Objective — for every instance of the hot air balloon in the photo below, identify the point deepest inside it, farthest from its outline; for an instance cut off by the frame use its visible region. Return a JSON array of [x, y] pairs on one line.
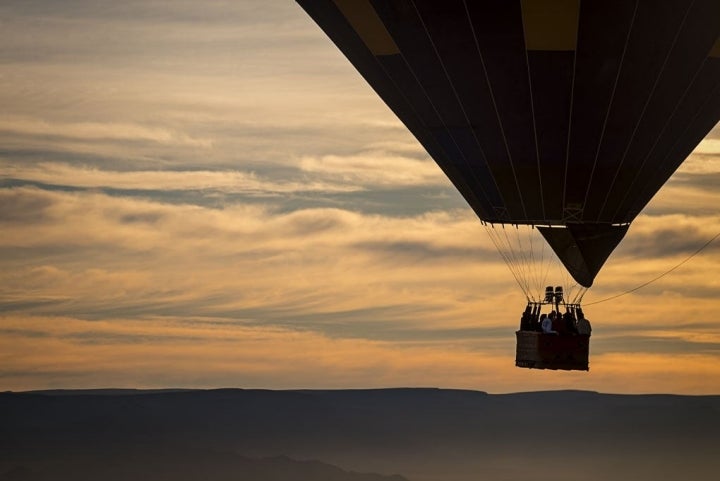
[[561, 118]]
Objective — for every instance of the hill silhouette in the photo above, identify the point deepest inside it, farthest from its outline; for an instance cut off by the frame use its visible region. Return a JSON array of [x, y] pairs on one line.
[[422, 434], [178, 465]]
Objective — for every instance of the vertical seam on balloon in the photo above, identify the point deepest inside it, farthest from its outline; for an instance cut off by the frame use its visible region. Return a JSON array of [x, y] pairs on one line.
[[642, 114], [532, 112], [609, 107], [497, 113], [570, 117], [457, 97], [462, 154], [713, 93], [417, 116], [660, 135]]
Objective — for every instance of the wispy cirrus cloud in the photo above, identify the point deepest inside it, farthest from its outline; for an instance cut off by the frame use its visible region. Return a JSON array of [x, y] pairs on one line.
[[375, 168], [223, 181], [96, 131]]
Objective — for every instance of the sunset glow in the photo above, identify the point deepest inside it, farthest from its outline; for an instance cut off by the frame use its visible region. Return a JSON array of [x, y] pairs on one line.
[[207, 194]]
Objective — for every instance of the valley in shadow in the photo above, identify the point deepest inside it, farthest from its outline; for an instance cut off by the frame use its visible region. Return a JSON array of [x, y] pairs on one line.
[[356, 435]]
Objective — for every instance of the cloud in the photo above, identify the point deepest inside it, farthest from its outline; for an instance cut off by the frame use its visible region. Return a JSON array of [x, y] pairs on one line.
[[18, 207], [405, 253], [109, 254], [310, 266], [234, 351], [92, 131], [222, 181], [157, 352], [708, 146], [178, 84], [668, 235], [375, 168]]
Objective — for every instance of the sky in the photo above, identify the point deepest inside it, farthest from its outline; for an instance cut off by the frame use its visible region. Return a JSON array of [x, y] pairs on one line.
[[207, 194]]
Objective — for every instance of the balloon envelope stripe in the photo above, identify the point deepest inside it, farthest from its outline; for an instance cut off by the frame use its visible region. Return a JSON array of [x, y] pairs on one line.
[[368, 26], [550, 24]]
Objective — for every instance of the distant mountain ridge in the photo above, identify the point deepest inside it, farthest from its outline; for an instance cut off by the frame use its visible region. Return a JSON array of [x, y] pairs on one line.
[[423, 434], [106, 391], [183, 466]]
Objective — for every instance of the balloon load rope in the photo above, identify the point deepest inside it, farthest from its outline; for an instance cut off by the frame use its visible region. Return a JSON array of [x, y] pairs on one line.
[[530, 261], [514, 261], [637, 288]]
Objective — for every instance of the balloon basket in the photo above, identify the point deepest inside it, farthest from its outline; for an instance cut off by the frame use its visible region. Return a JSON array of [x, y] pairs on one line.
[[537, 350]]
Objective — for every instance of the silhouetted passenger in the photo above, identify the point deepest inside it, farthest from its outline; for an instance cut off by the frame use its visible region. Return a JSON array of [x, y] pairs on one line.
[[569, 321], [547, 323], [534, 322], [526, 319], [558, 324], [583, 325]]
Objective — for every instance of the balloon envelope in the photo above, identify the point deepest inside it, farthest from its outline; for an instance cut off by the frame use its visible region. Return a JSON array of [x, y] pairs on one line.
[[555, 113]]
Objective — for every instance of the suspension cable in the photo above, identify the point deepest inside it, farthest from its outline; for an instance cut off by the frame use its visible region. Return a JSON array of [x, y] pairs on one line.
[[490, 229], [529, 268], [525, 266], [658, 277]]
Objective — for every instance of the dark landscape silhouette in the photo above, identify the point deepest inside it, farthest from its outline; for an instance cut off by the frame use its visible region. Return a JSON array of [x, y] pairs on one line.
[[414, 434]]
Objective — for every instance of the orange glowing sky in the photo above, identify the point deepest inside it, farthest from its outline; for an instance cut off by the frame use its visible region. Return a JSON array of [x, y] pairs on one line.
[[206, 194]]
